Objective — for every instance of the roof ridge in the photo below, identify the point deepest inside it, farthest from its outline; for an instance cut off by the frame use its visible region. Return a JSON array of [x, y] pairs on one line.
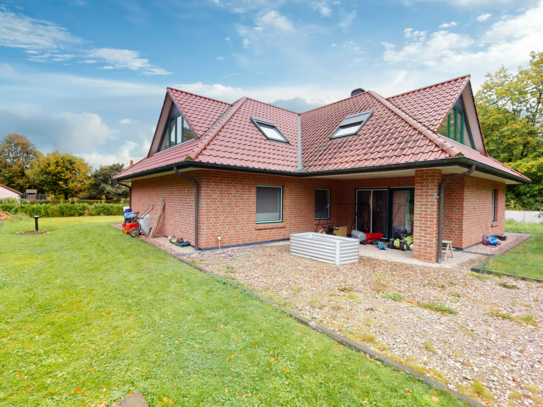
[[437, 140], [429, 86], [200, 96], [211, 135]]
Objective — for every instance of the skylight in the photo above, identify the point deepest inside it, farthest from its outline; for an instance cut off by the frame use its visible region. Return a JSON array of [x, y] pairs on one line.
[[269, 130], [351, 125]]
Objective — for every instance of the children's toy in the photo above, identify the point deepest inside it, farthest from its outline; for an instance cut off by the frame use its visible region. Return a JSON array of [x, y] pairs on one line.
[[491, 241]]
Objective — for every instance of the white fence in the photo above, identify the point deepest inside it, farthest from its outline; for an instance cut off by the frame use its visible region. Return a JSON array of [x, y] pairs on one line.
[[524, 216]]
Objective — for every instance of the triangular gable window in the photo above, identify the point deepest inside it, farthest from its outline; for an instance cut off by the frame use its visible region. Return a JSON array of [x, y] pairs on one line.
[[351, 125], [269, 130], [456, 126], [176, 131]]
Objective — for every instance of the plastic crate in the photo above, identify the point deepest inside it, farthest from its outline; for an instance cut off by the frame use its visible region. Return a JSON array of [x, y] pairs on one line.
[[184, 244]]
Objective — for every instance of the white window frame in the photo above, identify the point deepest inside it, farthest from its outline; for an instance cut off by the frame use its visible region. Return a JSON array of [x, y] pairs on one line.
[[280, 187], [355, 122], [261, 122]]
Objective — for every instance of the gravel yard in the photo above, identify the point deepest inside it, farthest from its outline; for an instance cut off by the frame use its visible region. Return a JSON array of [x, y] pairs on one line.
[[476, 333]]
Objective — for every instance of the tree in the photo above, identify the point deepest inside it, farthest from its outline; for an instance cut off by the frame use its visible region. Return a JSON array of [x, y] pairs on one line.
[[60, 173], [16, 156], [102, 183], [511, 113]]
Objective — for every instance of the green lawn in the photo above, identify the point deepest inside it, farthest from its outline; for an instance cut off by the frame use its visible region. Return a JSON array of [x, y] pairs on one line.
[[89, 315], [526, 259]]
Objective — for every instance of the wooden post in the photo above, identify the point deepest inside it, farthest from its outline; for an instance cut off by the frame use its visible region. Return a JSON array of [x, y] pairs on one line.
[[158, 218]]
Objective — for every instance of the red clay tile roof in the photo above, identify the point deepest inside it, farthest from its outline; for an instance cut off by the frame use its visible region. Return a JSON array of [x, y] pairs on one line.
[[9, 189], [200, 112], [430, 105], [240, 143], [168, 157], [385, 139], [399, 132]]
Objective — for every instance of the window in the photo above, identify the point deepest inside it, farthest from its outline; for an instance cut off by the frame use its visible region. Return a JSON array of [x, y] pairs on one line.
[[269, 204], [351, 125], [269, 130], [322, 203], [453, 127], [494, 205], [177, 131]]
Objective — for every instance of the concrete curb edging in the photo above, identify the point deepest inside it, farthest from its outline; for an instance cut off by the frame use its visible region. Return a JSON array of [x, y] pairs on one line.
[[478, 269], [339, 338]]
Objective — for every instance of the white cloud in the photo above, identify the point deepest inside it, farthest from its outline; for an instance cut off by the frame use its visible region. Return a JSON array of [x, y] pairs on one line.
[[126, 152], [20, 31], [127, 121], [439, 45], [347, 20], [275, 21], [124, 58], [66, 131], [447, 25], [323, 8], [483, 17], [227, 39], [246, 43], [507, 42], [417, 35]]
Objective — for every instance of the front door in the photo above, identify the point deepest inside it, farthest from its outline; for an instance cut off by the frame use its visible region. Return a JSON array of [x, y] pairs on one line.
[[372, 211]]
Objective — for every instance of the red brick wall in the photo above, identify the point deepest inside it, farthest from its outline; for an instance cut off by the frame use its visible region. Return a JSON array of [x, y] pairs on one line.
[[426, 214], [228, 201], [178, 218], [468, 210]]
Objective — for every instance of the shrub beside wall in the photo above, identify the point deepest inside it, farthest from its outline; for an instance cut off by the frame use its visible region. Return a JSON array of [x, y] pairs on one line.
[[63, 209]]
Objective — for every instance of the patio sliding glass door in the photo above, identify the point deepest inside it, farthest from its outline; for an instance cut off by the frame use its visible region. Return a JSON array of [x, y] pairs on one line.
[[372, 211]]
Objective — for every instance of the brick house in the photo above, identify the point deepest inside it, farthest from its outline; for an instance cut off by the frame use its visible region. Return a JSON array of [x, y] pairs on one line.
[[252, 172]]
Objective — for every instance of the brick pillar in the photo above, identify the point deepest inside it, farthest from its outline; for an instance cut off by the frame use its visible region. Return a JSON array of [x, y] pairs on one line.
[[426, 214]]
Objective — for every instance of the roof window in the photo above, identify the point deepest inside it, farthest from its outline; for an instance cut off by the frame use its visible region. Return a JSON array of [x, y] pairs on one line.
[[351, 125], [269, 130]]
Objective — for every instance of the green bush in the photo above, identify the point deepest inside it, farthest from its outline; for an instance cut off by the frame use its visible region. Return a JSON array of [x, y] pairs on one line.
[[48, 210]]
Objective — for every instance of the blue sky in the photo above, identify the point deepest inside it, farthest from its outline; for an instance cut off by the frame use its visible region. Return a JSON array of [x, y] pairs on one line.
[[89, 77]]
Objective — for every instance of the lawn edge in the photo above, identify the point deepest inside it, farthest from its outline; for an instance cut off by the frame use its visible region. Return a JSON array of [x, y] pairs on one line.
[[477, 268], [333, 335]]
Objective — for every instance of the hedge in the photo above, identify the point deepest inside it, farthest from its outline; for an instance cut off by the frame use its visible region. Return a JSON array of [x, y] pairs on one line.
[[63, 209]]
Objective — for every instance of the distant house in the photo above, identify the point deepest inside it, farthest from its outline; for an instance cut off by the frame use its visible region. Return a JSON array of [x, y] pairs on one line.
[[256, 172], [6, 192]]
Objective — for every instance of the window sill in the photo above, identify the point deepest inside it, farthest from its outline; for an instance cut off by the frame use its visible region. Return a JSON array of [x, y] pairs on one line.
[[268, 226]]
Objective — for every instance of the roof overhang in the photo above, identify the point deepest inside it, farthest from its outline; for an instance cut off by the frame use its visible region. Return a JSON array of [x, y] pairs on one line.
[[447, 166]]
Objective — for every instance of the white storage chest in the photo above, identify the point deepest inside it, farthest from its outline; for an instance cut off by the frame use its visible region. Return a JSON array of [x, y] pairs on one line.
[[327, 248]]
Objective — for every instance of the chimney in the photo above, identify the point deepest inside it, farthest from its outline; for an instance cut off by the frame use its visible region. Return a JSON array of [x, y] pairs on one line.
[[131, 163], [357, 91]]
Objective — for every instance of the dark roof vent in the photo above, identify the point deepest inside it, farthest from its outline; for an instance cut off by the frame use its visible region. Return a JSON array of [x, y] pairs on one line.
[[357, 91]]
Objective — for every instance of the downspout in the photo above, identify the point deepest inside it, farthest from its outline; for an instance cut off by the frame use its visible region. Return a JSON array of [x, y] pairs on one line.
[[130, 193], [300, 164], [196, 203], [440, 218]]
